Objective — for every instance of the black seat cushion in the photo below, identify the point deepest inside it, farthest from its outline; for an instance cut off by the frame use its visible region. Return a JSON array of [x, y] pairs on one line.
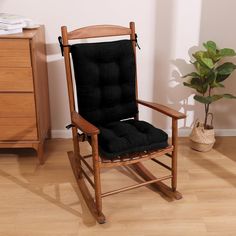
[[105, 83], [105, 80], [124, 137]]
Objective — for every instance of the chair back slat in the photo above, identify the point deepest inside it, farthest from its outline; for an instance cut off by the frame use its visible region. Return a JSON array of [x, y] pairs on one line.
[[96, 31]]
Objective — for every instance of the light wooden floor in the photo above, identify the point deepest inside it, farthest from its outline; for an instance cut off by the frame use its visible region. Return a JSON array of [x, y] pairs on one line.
[[44, 200]]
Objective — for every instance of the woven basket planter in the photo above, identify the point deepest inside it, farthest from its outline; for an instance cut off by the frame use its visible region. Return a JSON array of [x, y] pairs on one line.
[[202, 139]]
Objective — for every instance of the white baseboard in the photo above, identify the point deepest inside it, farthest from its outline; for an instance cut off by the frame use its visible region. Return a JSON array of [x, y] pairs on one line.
[[225, 132], [61, 134], [182, 133]]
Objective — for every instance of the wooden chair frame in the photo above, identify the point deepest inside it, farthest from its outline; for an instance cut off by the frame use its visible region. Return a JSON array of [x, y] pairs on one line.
[[134, 160]]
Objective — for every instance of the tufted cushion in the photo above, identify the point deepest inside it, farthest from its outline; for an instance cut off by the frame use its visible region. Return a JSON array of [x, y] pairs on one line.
[[129, 136], [105, 80]]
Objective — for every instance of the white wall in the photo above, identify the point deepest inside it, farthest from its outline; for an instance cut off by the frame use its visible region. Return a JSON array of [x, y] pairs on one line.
[[166, 29]]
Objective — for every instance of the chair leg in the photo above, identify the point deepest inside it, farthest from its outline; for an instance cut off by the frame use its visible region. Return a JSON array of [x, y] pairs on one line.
[[100, 218], [97, 181], [147, 175], [95, 207], [78, 166], [174, 154]]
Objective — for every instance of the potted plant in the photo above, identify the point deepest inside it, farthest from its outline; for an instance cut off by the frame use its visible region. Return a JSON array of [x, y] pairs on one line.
[[210, 73]]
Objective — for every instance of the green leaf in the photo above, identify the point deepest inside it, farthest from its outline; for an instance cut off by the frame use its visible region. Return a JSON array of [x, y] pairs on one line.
[[198, 55], [211, 50], [230, 96], [210, 78], [226, 69], [208, 99], [198, 84], [193, 74], [203, 59], [213, 98], [208, 62], [221, 78], [203, 71], [216, 57], [216, 85], [194, 86], [202, 99], [227, 52], [188, 85], [210, 46], [217, 97]]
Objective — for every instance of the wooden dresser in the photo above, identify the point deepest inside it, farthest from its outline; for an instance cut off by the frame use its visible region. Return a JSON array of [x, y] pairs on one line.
[[24, 99]]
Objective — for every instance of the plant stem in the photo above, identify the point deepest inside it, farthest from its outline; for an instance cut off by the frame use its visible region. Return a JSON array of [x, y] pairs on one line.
[[207, 106], [206, 115], [205, 120]]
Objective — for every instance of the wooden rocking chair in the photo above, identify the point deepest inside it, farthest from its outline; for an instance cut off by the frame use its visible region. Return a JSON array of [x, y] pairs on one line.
[[106, 84]]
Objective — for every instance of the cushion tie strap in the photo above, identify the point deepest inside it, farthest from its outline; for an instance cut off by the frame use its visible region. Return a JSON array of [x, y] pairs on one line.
[[70, 126], [62, 46], [136, 41], [82, 136]]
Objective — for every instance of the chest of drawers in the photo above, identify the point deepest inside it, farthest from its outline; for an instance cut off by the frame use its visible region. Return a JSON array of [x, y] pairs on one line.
[[24, 99]]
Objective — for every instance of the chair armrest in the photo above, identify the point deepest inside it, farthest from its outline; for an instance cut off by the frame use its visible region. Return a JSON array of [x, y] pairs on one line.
[[163, 109], [83, 124]]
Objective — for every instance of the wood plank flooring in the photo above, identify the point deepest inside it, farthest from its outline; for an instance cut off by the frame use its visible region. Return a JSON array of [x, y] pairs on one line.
[[44, 200]]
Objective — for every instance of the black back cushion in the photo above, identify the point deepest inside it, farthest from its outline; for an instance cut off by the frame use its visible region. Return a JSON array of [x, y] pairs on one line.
[[105, 80]]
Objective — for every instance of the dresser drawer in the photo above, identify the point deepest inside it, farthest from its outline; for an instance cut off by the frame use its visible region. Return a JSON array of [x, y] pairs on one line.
[[16, 79], [18, 129], [17, 105], [15, 53]]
